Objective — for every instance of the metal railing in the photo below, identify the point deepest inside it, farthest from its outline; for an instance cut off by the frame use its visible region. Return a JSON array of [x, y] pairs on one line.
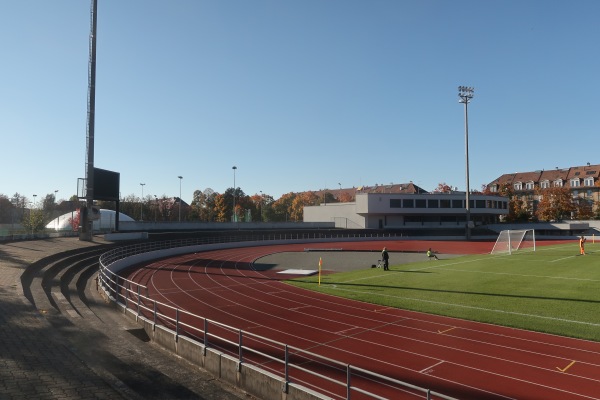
[[292, 364]]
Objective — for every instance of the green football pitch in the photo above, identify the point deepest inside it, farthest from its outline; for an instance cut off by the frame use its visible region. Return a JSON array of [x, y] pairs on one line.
[[553, 290]]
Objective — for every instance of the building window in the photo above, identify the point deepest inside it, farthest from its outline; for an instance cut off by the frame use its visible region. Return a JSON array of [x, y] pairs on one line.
[[480, 204], [494, 189], [457, 204], [432, 204], [575, 193], [408, 203], [558, 183], [589, 181], [444, 203], [575, 182], [545, 184], [529, 185], [518, 186], [395, 203], [421, 203]]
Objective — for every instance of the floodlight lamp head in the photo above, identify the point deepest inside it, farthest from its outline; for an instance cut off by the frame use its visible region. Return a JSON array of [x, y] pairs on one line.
[[465, 93]]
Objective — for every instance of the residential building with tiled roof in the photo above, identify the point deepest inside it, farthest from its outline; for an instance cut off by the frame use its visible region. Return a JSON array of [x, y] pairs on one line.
[[582, 181]]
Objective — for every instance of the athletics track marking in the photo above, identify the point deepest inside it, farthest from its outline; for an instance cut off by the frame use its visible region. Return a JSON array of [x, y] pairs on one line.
[[428, 370], [474, 308]]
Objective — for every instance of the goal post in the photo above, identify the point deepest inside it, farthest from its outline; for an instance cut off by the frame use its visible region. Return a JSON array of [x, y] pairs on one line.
[[510, 241]]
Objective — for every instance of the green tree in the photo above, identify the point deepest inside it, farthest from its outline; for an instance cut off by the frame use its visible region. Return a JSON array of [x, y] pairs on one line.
[[34, 221], [267, 208], [6, 210]]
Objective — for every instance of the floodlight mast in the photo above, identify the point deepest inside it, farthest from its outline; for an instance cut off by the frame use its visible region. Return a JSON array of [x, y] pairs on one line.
[[86, 224], [465, 94]]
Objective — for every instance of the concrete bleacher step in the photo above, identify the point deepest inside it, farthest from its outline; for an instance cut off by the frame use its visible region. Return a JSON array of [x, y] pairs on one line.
[[64, 290], [43, 281]]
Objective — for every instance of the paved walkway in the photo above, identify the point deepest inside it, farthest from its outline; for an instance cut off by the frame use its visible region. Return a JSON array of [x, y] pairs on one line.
[[98, 357]]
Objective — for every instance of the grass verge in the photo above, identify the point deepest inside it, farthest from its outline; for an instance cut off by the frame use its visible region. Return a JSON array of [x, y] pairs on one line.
[[552, 290]]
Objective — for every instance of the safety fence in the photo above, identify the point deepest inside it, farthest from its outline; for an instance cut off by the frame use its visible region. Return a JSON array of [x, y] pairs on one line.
[[330, 378]]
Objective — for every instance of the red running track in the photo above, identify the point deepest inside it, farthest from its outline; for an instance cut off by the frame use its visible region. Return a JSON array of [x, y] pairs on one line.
[[463, 359]]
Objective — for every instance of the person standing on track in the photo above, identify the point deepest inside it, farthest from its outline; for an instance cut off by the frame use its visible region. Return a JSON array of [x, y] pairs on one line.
[[582, 246], [386, 259]]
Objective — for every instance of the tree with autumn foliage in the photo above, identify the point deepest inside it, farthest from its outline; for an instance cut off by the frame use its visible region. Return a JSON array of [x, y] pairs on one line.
[[583, 209], [283, 206], [300, 201], [518, 210], [346, 197], [75, 219], [443, 187], [555, 204], [221, 210]]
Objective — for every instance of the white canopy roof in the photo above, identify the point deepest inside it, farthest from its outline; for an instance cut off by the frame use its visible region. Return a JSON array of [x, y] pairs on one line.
[[106, 221]]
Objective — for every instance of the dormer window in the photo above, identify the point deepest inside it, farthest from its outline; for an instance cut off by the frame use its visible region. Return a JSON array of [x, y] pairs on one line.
[[575, 182], [589, 181], [518, 186], [545, 184], [529, 185], [558, 183]]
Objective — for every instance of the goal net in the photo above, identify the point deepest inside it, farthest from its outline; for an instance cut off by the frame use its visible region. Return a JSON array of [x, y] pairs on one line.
[[510, 241]]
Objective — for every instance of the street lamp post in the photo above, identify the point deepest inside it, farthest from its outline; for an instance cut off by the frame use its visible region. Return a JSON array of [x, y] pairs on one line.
[[155, 207], [142, 203], [466, 94], [30, 216], [180, 178], [234, 213]]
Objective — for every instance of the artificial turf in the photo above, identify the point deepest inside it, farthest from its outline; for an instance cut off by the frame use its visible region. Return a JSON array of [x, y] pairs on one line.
[[552, 290]]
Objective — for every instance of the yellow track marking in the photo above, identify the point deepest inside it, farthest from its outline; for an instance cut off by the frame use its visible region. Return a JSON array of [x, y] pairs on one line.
[[566, 368]]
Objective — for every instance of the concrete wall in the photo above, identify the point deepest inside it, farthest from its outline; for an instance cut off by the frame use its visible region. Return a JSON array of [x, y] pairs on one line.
[[248, 378]]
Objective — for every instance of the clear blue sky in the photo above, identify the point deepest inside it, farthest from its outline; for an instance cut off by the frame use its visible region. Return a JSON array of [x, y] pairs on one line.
[[299, 95]]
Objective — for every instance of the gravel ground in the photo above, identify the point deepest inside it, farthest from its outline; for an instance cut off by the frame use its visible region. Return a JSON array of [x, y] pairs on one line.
[[338, 261]]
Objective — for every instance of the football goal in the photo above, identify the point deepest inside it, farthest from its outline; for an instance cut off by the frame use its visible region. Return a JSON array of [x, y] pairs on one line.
[[510, 241]]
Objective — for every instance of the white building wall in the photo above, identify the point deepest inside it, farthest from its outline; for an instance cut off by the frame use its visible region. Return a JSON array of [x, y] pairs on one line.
[[374, 211], [343, 214]]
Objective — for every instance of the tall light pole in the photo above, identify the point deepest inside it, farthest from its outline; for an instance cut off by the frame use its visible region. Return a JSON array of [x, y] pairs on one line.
[[234, 213], [466, 94], [55, 206], [261, 205], [180, 178], [34, 196], [142, 203]]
